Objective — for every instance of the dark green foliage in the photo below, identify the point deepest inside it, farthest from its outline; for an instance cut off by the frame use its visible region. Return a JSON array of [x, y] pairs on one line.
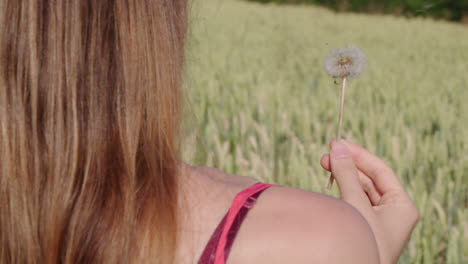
[[456, 10]]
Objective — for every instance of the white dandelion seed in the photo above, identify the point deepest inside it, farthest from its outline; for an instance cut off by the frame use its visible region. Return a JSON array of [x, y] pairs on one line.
[[347, 62], [344, 63]]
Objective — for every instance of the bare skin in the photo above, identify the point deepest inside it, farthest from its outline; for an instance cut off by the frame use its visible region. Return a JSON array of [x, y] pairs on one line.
[[289, 225], [206, 195]]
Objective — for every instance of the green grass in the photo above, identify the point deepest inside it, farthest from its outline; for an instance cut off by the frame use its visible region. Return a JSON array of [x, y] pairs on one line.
[[262, 105]]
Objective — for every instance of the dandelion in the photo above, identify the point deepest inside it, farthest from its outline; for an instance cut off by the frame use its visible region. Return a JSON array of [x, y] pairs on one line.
[[344, 63]]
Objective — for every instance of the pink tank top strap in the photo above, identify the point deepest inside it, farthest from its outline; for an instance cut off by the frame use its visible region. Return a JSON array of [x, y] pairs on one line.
[[217, 249]]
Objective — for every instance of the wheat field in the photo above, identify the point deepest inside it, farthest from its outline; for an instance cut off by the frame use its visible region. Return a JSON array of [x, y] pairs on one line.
[[259, 103]]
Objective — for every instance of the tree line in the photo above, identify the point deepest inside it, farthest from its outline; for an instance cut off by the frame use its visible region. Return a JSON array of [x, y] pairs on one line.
[[454, 10]]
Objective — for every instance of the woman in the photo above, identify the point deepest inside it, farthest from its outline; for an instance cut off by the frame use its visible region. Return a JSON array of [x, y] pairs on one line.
[[90, 109]]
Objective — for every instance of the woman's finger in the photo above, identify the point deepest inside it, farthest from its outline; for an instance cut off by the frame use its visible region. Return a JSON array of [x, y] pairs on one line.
[[366, 183], [325, 162], [370, 189], [381, 174], [346, 174]]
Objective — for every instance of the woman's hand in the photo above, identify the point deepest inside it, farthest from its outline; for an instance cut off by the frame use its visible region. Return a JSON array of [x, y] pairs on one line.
[[371, 186]]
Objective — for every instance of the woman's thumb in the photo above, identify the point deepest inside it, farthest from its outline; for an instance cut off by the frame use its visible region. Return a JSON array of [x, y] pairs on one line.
[[346, 174]]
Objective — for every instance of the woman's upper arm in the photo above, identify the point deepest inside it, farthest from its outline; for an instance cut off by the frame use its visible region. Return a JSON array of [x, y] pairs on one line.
[[349, 240], [294, 226]]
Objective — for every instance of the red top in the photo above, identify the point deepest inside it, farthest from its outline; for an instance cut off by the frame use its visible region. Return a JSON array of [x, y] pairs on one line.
[[220, 243]]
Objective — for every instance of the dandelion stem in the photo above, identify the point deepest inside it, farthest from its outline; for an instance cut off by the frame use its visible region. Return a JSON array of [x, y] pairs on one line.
[[340, 123], [340, 120]]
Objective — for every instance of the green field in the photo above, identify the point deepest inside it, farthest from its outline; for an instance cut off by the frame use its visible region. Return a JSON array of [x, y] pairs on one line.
[[261, 104]]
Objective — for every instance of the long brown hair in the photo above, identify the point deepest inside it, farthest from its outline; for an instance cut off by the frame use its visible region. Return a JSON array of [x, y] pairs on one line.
[[90, 106]]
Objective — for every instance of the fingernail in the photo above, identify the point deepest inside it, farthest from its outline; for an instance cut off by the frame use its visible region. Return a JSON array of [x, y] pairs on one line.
[[339, 150]]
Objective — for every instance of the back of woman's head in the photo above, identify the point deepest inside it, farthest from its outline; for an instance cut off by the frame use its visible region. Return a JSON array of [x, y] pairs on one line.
[[90, 94]]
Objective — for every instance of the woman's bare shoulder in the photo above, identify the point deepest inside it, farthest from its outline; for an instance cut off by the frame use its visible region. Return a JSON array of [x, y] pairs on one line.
[[289, 225]]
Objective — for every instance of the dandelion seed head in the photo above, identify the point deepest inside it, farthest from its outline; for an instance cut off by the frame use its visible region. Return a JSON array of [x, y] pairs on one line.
[[346, 62]]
